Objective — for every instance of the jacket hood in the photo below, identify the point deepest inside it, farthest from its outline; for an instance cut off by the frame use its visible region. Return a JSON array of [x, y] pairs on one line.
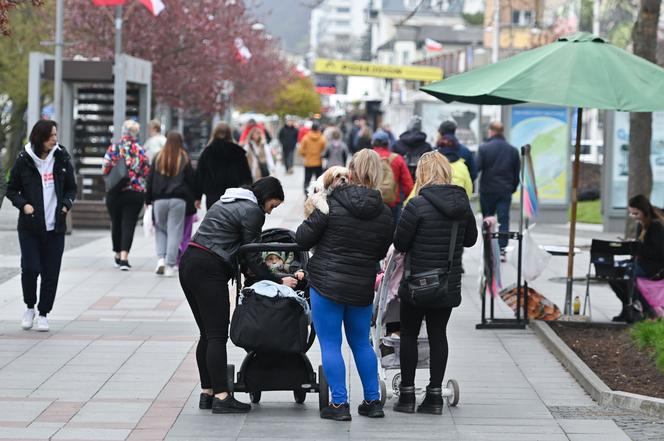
[[362, 202], [315, 136], [451, 153], [221, 149], [238, 194], [49, 158], [450, 200], [413, 138]]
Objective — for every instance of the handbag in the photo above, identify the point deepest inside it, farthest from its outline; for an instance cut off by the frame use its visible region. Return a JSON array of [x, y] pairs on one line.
[[429, 287], [117, 177]]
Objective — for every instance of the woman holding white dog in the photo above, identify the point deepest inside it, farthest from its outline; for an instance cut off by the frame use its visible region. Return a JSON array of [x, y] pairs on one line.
[[350, 240]]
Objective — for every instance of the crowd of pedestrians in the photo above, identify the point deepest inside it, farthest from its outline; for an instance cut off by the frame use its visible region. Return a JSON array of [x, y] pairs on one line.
[[364, 217]]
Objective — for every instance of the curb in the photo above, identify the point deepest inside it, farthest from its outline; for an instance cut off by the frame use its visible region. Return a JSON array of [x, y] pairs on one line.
[[590, 382]]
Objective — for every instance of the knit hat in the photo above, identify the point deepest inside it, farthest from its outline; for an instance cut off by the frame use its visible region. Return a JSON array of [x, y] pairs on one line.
[[415, 124], [273, 253], [447, 128]]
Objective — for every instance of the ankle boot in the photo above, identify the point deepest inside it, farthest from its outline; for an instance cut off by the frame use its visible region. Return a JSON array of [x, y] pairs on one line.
[[433, 401], [406, 403]]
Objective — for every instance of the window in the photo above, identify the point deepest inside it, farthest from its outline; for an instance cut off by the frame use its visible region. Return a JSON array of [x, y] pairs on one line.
[[522, 18], [343, 10]]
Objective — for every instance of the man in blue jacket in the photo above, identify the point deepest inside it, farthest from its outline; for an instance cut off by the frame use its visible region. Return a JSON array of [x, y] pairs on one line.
[[449, 128], [499, 165]]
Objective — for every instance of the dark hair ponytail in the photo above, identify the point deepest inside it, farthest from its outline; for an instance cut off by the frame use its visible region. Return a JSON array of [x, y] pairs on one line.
[[267, 188], [41, 132]]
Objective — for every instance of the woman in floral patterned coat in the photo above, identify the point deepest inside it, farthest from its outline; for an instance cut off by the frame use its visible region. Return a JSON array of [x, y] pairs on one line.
[[124, 204]]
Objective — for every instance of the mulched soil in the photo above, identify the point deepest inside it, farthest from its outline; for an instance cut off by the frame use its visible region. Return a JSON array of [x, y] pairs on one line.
[[612, 354]]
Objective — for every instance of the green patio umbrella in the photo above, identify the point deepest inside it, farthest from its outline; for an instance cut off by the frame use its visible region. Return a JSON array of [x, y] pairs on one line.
[[580, 70]]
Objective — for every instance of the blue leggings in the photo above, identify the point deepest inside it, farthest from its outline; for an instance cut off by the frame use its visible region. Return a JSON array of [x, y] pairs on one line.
[[328, 316]]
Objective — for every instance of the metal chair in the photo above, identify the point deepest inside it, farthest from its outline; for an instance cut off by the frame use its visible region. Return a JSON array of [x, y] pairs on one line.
[[603, 254]]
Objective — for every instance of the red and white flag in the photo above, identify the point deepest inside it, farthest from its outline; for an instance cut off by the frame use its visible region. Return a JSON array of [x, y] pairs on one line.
[[432, 45], [154, 6], [243, 52]]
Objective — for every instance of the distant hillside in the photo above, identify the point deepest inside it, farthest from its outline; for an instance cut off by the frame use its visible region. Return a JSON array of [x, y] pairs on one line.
[[287, 20]]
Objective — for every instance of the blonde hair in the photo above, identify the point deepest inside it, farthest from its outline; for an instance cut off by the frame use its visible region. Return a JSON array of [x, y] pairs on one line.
[[433, 168], [131, 128], [365, 169]]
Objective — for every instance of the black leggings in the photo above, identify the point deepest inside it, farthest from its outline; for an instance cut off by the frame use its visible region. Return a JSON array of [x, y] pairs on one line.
[[204, 280], [436, 322], [41, 255], [310, 172], [124, 208]]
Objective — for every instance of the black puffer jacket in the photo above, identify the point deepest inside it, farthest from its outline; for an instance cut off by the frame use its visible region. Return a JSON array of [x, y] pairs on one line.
[[25, 187], [222, 165], [425, 228], [349, 242]]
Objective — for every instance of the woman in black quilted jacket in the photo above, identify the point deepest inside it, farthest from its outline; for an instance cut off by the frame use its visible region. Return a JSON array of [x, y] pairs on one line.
[[424, 234], [349, 242]]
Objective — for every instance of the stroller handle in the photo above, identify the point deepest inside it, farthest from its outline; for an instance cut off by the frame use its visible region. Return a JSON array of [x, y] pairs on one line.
[[268, 246]]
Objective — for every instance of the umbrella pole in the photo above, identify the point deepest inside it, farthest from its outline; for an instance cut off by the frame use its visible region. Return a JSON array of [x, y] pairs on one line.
[[572, 225]]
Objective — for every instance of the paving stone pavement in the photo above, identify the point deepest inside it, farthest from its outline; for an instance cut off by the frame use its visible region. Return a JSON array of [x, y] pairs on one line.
[[119, 364]]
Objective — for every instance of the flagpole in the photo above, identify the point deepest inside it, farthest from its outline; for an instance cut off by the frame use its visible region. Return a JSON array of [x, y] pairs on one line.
[[57, 86], [118, 30]]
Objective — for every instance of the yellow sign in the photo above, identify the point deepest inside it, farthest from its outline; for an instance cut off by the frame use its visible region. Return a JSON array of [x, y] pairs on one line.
[[364, 69]]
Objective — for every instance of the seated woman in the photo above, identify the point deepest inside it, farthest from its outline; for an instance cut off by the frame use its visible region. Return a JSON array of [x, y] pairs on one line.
[[649, 261]]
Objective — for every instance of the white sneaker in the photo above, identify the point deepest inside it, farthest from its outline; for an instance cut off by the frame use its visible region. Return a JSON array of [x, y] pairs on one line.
[[161, 266], [42, 324], [28, 319], [171, 271]]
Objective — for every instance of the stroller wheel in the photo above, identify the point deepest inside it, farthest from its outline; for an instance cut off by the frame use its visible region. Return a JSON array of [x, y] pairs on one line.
[[300, 395], [323, 391], [396, 384], [453, 387], [255, 397], [383, 393]]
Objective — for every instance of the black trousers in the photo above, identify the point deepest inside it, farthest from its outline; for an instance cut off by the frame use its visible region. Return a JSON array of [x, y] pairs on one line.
[[124, 208], [411, 321], [41, 255], [288, 157], [204, 280], [310, 172]]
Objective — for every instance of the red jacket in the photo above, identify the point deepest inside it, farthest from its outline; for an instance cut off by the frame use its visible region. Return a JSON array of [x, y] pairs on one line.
[[401, 173]]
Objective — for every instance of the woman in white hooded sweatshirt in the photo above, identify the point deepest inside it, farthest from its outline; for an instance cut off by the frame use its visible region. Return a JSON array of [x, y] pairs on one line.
[[42, 186]]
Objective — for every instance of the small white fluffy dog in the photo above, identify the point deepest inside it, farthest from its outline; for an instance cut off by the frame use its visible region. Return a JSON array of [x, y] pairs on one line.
[[332, 178]]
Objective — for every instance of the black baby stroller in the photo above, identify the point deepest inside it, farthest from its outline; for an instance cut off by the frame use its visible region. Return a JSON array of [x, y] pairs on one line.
[[265, 370]]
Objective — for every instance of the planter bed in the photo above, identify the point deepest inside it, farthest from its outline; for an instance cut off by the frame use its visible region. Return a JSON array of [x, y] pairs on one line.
[[614, 356]]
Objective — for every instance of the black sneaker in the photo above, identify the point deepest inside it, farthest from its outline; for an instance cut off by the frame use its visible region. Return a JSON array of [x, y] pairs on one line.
[[117, 262], [124, 265], [336, 412], [229, 405], [205, 401], [371, 409]]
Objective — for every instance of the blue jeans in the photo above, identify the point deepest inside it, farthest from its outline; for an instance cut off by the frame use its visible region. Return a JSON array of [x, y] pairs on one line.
[[498, 203], [328, 316]]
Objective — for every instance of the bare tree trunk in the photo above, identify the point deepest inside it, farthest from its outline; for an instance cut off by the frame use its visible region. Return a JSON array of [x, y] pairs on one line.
[[640, 124]]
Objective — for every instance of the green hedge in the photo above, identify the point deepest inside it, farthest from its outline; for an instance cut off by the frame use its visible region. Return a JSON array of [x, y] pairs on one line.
[[649, 335]]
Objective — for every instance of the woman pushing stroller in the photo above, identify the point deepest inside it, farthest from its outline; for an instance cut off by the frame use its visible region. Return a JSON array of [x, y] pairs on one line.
[[425, 233], [205, 270]]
